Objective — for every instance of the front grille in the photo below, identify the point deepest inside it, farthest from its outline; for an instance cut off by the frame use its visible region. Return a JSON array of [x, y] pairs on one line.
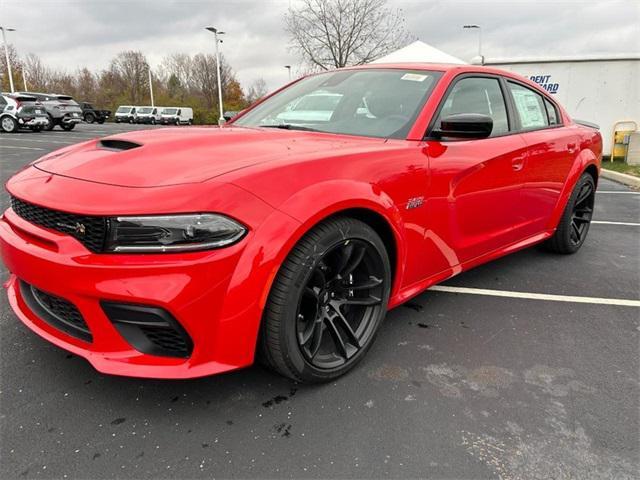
[[89, 230], [56, 311]]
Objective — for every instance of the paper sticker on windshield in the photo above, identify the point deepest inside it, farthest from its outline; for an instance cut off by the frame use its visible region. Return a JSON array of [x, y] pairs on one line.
[[414, 77]]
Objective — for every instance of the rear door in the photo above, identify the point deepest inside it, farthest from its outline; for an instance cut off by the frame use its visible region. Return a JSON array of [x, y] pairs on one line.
[[475, 184], [552, 149]]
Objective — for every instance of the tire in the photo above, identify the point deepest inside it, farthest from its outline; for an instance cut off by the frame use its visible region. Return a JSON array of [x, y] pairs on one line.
[[50, 125], [67, 127], [101, 121], [89, 118], [575, 221], [153, 121], [37, 129], [8, 124], [317, 324], [190, 122]]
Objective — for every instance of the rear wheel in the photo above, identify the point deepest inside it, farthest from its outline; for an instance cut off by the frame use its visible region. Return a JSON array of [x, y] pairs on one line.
[[327, 302], [576, 219], [37, 129], [8, 124], [68, 126]]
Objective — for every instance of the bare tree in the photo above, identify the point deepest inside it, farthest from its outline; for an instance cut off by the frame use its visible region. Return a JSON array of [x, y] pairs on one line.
[[38, 75], [130, 67], [336, 33], [257, 90]]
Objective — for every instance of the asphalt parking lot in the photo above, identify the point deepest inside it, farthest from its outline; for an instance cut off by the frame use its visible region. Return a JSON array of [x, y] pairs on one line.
[[458, 385]]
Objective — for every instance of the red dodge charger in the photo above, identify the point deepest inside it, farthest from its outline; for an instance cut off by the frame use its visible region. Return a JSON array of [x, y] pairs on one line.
[[288, 233]]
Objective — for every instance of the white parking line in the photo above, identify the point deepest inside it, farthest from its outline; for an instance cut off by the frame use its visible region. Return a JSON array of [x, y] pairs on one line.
[[618, 192], [537, 296], [630, 224], [21, 148]]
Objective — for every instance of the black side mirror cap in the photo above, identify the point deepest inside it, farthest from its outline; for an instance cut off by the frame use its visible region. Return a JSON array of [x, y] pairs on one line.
[[465, 125]]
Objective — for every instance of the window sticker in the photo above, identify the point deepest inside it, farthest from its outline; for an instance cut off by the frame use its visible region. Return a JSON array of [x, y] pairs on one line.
[[414, 77], [531, 114]]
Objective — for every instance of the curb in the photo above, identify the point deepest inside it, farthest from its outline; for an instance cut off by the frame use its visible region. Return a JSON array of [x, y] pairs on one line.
[[628, 180]]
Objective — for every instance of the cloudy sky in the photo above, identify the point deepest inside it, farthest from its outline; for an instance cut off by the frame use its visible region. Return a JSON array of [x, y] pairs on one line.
[[68, 34]]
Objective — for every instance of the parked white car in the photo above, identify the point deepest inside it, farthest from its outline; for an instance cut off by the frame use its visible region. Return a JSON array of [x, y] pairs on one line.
[[21, 111], [148, 115], [176, 116], [125, 114]]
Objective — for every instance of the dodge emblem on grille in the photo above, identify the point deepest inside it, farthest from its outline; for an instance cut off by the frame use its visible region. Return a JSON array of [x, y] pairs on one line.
[[78, 228]]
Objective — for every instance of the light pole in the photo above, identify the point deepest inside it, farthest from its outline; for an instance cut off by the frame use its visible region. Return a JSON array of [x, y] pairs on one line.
[[24, 79], [6, 54], [288, 67], [479, 28], [217, 32], [150, 85]]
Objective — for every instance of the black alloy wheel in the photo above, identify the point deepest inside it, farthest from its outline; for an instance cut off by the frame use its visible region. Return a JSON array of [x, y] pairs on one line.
[[573, 227], [89, 118], [327, 302]]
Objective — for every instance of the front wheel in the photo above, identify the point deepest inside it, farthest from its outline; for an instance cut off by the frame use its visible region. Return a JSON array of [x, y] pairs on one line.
[[576, 219], [50, 124], [89, 118], [327, 302], [9, 124]]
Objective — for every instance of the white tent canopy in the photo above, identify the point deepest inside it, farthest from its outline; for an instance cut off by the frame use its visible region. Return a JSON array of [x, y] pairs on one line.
[[418, 52]]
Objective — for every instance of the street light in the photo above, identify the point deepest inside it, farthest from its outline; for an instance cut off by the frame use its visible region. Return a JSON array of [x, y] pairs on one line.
[[479, 40], [288, 67], [6, 54], [217, 32]]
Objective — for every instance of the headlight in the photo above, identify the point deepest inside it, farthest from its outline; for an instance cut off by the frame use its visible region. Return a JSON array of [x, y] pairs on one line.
[[172, 233]]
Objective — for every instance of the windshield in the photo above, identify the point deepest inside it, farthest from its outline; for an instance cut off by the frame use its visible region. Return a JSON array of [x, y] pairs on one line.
[[123, 110], [145, 110], [372, 102], [169, 111]]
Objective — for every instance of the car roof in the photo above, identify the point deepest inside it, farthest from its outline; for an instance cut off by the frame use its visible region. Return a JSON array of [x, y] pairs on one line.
[[453, 68]]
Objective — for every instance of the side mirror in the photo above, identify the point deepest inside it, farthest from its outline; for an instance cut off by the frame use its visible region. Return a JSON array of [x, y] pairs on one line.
[[465, 125]]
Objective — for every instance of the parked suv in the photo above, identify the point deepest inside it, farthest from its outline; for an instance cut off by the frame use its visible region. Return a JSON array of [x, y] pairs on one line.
[[21, 111], [125, 114], [62, 110], [91, 114], [148, 115]]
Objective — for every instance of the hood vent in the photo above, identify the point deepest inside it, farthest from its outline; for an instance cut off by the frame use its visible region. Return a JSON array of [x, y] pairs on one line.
[[117, 145]]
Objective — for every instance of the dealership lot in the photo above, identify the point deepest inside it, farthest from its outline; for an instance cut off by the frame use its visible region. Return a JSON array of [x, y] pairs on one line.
[[458, 385]]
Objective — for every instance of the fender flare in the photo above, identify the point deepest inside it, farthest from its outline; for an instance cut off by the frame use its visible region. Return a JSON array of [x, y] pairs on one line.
[[585, 159], [283, 228]]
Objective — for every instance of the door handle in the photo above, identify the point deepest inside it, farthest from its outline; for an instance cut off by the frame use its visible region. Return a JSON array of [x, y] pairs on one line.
[[518, 163]]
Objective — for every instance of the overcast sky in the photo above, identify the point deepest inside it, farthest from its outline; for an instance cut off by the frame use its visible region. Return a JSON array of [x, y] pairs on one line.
[[68, 34]]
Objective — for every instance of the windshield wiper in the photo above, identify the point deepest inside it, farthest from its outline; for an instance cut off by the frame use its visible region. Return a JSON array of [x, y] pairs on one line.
[[289, 126]]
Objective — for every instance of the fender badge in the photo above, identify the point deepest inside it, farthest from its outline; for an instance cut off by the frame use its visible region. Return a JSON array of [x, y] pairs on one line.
[[415, 202]]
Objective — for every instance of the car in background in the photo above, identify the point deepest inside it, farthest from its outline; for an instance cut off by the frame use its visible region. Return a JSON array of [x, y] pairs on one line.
[[91, 114], [125, 114], [62, 110], [187, 255], [176, 116], [150, 115], [21, 111]]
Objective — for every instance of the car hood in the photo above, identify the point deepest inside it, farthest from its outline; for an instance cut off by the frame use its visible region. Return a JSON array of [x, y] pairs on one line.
[[163, 157]]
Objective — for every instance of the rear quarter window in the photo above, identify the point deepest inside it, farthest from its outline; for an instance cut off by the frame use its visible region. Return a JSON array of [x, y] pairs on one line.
[[530, 107]]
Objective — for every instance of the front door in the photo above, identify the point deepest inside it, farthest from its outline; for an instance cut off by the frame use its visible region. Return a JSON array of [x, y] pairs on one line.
[[474, 194]]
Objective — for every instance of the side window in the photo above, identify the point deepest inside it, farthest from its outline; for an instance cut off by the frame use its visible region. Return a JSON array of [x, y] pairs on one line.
[[3, 102], [552, 113], [478, 95], [530, 107]]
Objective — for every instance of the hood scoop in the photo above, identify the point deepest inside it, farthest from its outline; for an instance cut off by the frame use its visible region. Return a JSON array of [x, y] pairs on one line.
[[117, 145]]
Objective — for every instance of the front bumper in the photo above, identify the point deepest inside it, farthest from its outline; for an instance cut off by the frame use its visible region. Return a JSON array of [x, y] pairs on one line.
[[192, 287]]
